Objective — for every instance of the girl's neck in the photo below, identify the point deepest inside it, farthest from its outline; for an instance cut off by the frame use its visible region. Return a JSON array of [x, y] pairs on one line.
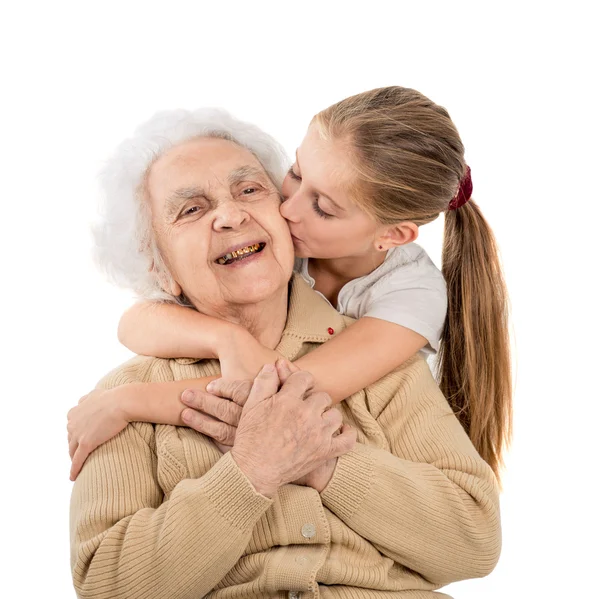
[[346, 269], [331, 274]]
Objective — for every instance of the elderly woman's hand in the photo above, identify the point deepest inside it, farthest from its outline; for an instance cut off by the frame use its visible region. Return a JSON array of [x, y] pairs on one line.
[[216, 414], [284, 435]]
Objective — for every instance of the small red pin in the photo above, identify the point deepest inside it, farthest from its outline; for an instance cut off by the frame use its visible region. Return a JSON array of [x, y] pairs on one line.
[[330, 331]]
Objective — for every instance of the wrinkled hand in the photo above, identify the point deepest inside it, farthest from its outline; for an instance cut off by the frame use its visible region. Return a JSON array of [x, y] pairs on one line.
[[284, 435], [319, 478], [216, 413], [96, 419]]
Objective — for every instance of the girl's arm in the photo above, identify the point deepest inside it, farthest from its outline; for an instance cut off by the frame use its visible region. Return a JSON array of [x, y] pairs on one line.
[[360, 355], [163, 330], [103, 414], [371, 347], [166, 330]]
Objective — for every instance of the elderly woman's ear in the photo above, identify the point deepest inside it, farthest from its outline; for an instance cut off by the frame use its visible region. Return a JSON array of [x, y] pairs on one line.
[[165, 280]]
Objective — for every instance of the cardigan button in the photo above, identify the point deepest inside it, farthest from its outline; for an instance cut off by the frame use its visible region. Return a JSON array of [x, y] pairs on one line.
[[294, 595], [309, 531]]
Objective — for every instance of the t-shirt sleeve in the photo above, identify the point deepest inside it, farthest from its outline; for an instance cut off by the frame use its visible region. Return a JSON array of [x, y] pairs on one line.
[[413, 296]]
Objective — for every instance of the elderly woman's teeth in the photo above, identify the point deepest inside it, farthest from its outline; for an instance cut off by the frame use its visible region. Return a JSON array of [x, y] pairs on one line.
[[242, 252]]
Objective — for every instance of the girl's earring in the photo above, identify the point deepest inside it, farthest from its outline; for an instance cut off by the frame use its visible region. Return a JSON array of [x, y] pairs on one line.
[[380, 247]]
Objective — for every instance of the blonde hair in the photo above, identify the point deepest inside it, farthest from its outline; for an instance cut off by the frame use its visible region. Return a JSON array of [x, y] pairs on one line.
[[409, 161]]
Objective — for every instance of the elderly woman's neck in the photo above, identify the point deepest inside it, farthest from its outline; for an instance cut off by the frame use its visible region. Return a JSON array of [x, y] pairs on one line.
[[264, 320]]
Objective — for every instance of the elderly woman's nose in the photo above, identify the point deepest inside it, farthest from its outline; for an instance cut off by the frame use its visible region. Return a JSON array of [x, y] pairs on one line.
[[229, 214]]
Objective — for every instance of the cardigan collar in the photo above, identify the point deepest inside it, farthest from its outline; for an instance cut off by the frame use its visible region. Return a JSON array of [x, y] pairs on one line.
[[310, 319]]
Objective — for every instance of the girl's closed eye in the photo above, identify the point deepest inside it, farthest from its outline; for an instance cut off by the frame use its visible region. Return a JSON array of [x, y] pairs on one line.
[[293, 175], [318, 210]]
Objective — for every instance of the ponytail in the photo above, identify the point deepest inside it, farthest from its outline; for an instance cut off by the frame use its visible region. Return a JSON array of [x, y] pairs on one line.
[[409, 162], [474, 363]]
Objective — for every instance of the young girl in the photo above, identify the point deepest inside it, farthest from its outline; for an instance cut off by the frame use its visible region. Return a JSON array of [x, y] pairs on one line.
[[371, 170]]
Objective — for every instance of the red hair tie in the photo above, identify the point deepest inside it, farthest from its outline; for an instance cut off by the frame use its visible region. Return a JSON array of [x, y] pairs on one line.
[[465, 189]]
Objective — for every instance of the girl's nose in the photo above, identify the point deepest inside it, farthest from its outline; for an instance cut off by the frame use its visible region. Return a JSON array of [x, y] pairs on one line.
[[288, 208]]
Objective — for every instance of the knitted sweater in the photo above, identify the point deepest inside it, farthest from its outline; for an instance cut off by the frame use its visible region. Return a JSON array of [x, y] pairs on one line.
[[159, 513]]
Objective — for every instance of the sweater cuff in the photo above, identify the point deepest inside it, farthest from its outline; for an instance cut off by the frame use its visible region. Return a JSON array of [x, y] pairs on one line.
[[233, 495], [351, 482]]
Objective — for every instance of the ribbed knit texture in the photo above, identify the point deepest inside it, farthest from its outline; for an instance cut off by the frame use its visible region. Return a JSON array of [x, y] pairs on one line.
[[159, 513]]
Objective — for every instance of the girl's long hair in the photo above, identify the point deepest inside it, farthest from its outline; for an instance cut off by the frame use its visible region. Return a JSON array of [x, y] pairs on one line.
[[409, 161]]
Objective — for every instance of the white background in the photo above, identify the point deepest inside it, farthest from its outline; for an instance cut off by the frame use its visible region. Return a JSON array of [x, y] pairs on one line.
[[519, 80]]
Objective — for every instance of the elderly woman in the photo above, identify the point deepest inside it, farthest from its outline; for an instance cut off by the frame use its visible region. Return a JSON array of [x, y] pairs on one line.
[[397, 504]]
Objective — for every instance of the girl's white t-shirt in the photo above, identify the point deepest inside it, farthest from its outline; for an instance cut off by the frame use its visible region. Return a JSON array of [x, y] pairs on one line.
[[407, 289]]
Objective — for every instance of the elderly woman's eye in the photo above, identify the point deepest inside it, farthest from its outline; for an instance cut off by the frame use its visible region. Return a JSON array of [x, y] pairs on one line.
[[191, 210], [248, 190]]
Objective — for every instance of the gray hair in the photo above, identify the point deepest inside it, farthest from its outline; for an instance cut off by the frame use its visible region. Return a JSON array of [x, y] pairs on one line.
[[125, 248]]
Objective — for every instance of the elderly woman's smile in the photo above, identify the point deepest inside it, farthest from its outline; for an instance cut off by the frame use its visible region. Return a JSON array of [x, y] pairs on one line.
[[236, 255], [215, 213]]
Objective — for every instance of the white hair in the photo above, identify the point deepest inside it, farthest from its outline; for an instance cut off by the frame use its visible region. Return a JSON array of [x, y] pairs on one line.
[[125, 248]]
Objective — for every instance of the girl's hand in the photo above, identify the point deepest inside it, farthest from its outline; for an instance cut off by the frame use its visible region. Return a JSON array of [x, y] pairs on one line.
[[241, 356], [97, 418]]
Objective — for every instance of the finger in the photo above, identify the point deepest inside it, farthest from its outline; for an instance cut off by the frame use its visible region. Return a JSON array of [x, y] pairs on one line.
[[221, 409], [297, 385], [333, 419], [236, 391], [319, 401], [265, 385], [73, 443], [285, 368], [69, 414], [207, 425], [223, 448], [78, 460], [343, 443]]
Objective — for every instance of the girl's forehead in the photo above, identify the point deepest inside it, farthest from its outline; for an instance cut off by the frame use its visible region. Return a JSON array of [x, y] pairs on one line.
[[326, 165]]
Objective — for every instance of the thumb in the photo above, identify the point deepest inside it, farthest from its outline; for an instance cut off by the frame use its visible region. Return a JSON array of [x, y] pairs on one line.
[[236, 391], [285, 368], [265, 385], [343, 442]]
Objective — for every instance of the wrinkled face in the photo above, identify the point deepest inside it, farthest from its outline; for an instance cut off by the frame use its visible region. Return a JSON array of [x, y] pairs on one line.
[[215, 214], [323, 220]]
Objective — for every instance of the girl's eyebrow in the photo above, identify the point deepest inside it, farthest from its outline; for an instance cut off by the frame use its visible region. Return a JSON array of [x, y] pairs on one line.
[[321, 193]]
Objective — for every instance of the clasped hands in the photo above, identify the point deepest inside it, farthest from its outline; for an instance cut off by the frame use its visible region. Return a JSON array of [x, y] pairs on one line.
[[277, 427]]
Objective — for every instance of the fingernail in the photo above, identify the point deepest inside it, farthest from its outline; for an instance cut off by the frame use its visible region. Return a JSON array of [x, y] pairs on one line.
[[268, 368], [187, 396], [211, 386], [186, 415]]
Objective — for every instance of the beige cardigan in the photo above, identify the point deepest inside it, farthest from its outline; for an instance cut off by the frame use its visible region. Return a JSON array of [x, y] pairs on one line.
[[158, 512]]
